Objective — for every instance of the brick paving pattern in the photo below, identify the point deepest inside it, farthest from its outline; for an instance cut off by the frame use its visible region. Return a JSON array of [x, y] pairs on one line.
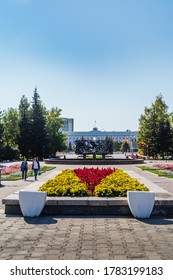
[[84, 238]]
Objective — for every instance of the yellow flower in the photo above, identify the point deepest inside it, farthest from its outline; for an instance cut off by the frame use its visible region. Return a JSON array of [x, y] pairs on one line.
[[68, 184]]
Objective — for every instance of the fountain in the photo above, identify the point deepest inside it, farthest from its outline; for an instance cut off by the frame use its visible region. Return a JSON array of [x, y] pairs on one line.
[[94, 152]]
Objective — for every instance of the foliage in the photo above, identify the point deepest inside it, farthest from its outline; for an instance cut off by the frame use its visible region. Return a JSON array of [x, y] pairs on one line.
[[24, 137], [92, 181], [164, 166], [92, 176], [10, 120], [1, 130], [38, 132], [13, 172], [9, 153], [108, 145], [125, 146], [117, 184], [31, 129], [116, 146], [55, 138], [12, 169], [155, 132], [163, 170], [65, 184]]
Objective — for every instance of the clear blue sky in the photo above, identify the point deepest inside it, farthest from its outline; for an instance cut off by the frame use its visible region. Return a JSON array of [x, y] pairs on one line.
[[97, 60]]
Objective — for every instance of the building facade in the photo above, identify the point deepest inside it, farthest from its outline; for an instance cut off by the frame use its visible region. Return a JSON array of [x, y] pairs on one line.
[[95, 134], [68, 125]]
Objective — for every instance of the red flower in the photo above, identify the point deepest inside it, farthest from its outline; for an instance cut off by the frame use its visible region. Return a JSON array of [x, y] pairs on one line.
[[92, 176]]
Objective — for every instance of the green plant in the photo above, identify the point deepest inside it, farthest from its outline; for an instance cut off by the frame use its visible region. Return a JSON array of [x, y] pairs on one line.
[[159, 172], [67, 183]]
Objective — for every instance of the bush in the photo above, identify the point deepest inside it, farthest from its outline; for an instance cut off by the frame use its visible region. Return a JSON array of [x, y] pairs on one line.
[[9, 153]]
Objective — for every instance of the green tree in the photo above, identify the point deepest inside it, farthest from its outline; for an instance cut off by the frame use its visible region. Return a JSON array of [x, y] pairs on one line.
[[116, 146], [10, 121], [171, 134], [55, 138], [1, 129], [24, 137], [164, 127], [154, 136], [125, 146], [38, 132], [108, 145]]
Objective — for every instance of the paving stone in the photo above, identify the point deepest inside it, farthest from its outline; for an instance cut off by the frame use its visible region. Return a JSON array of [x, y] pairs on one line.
[[83, 238]]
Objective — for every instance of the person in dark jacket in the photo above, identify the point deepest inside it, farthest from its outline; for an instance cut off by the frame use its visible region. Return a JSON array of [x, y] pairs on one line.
[[35, 167], [24, 168]]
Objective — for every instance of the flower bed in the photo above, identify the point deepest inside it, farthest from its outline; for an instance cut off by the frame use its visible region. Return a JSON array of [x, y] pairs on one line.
[[164, 166], [91, 181], [13, 171], [136, 156], [92, 176], [164, 170], [7, 170]]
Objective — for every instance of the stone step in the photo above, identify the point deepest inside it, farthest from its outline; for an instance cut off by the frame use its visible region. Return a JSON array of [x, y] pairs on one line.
[[117, 206], [88, 206]]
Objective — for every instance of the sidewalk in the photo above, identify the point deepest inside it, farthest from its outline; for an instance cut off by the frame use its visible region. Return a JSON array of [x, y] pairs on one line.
[[96, 237]]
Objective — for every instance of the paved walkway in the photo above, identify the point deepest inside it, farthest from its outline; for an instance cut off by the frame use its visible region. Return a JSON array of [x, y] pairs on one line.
[[72, 238]]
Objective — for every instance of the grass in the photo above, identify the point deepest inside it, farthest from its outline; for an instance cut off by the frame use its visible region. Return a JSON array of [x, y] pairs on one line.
[[46, 168], [91, 157], [14, 177], [159, 172]]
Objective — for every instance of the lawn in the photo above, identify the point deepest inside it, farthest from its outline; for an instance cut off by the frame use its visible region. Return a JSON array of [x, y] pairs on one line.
[[160, 170], [12, 173]]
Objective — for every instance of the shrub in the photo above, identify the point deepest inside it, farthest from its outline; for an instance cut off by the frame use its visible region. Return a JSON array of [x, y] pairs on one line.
[[9, 153]]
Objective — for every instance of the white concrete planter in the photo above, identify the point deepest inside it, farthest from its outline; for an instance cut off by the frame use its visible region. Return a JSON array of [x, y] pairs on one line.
[[32, 202], [141, 203]]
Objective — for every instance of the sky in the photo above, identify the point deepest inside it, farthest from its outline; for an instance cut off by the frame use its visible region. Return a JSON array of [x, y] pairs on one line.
[[100, 61]]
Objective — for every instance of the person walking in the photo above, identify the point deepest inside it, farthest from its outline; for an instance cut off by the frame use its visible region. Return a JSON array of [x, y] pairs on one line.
[[24, 168], [35, 167]]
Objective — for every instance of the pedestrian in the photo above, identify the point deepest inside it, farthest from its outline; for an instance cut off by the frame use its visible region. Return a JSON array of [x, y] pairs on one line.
[[24, 168], [35, 167]]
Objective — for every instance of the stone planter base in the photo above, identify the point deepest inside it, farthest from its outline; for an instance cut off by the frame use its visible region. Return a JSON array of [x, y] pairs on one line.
[[32, 203], [141, 203]]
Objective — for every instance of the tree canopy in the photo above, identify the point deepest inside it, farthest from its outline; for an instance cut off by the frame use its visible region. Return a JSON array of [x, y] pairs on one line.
[[155, 130], [32, 129]]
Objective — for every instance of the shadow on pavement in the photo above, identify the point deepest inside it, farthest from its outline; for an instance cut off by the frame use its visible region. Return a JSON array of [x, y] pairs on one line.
[[40, 220], [158, 221]]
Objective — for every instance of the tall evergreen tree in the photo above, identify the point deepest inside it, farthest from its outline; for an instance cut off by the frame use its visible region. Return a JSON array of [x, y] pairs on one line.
[[164, 127], [154, 136], [38, 133], [24, 137]]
